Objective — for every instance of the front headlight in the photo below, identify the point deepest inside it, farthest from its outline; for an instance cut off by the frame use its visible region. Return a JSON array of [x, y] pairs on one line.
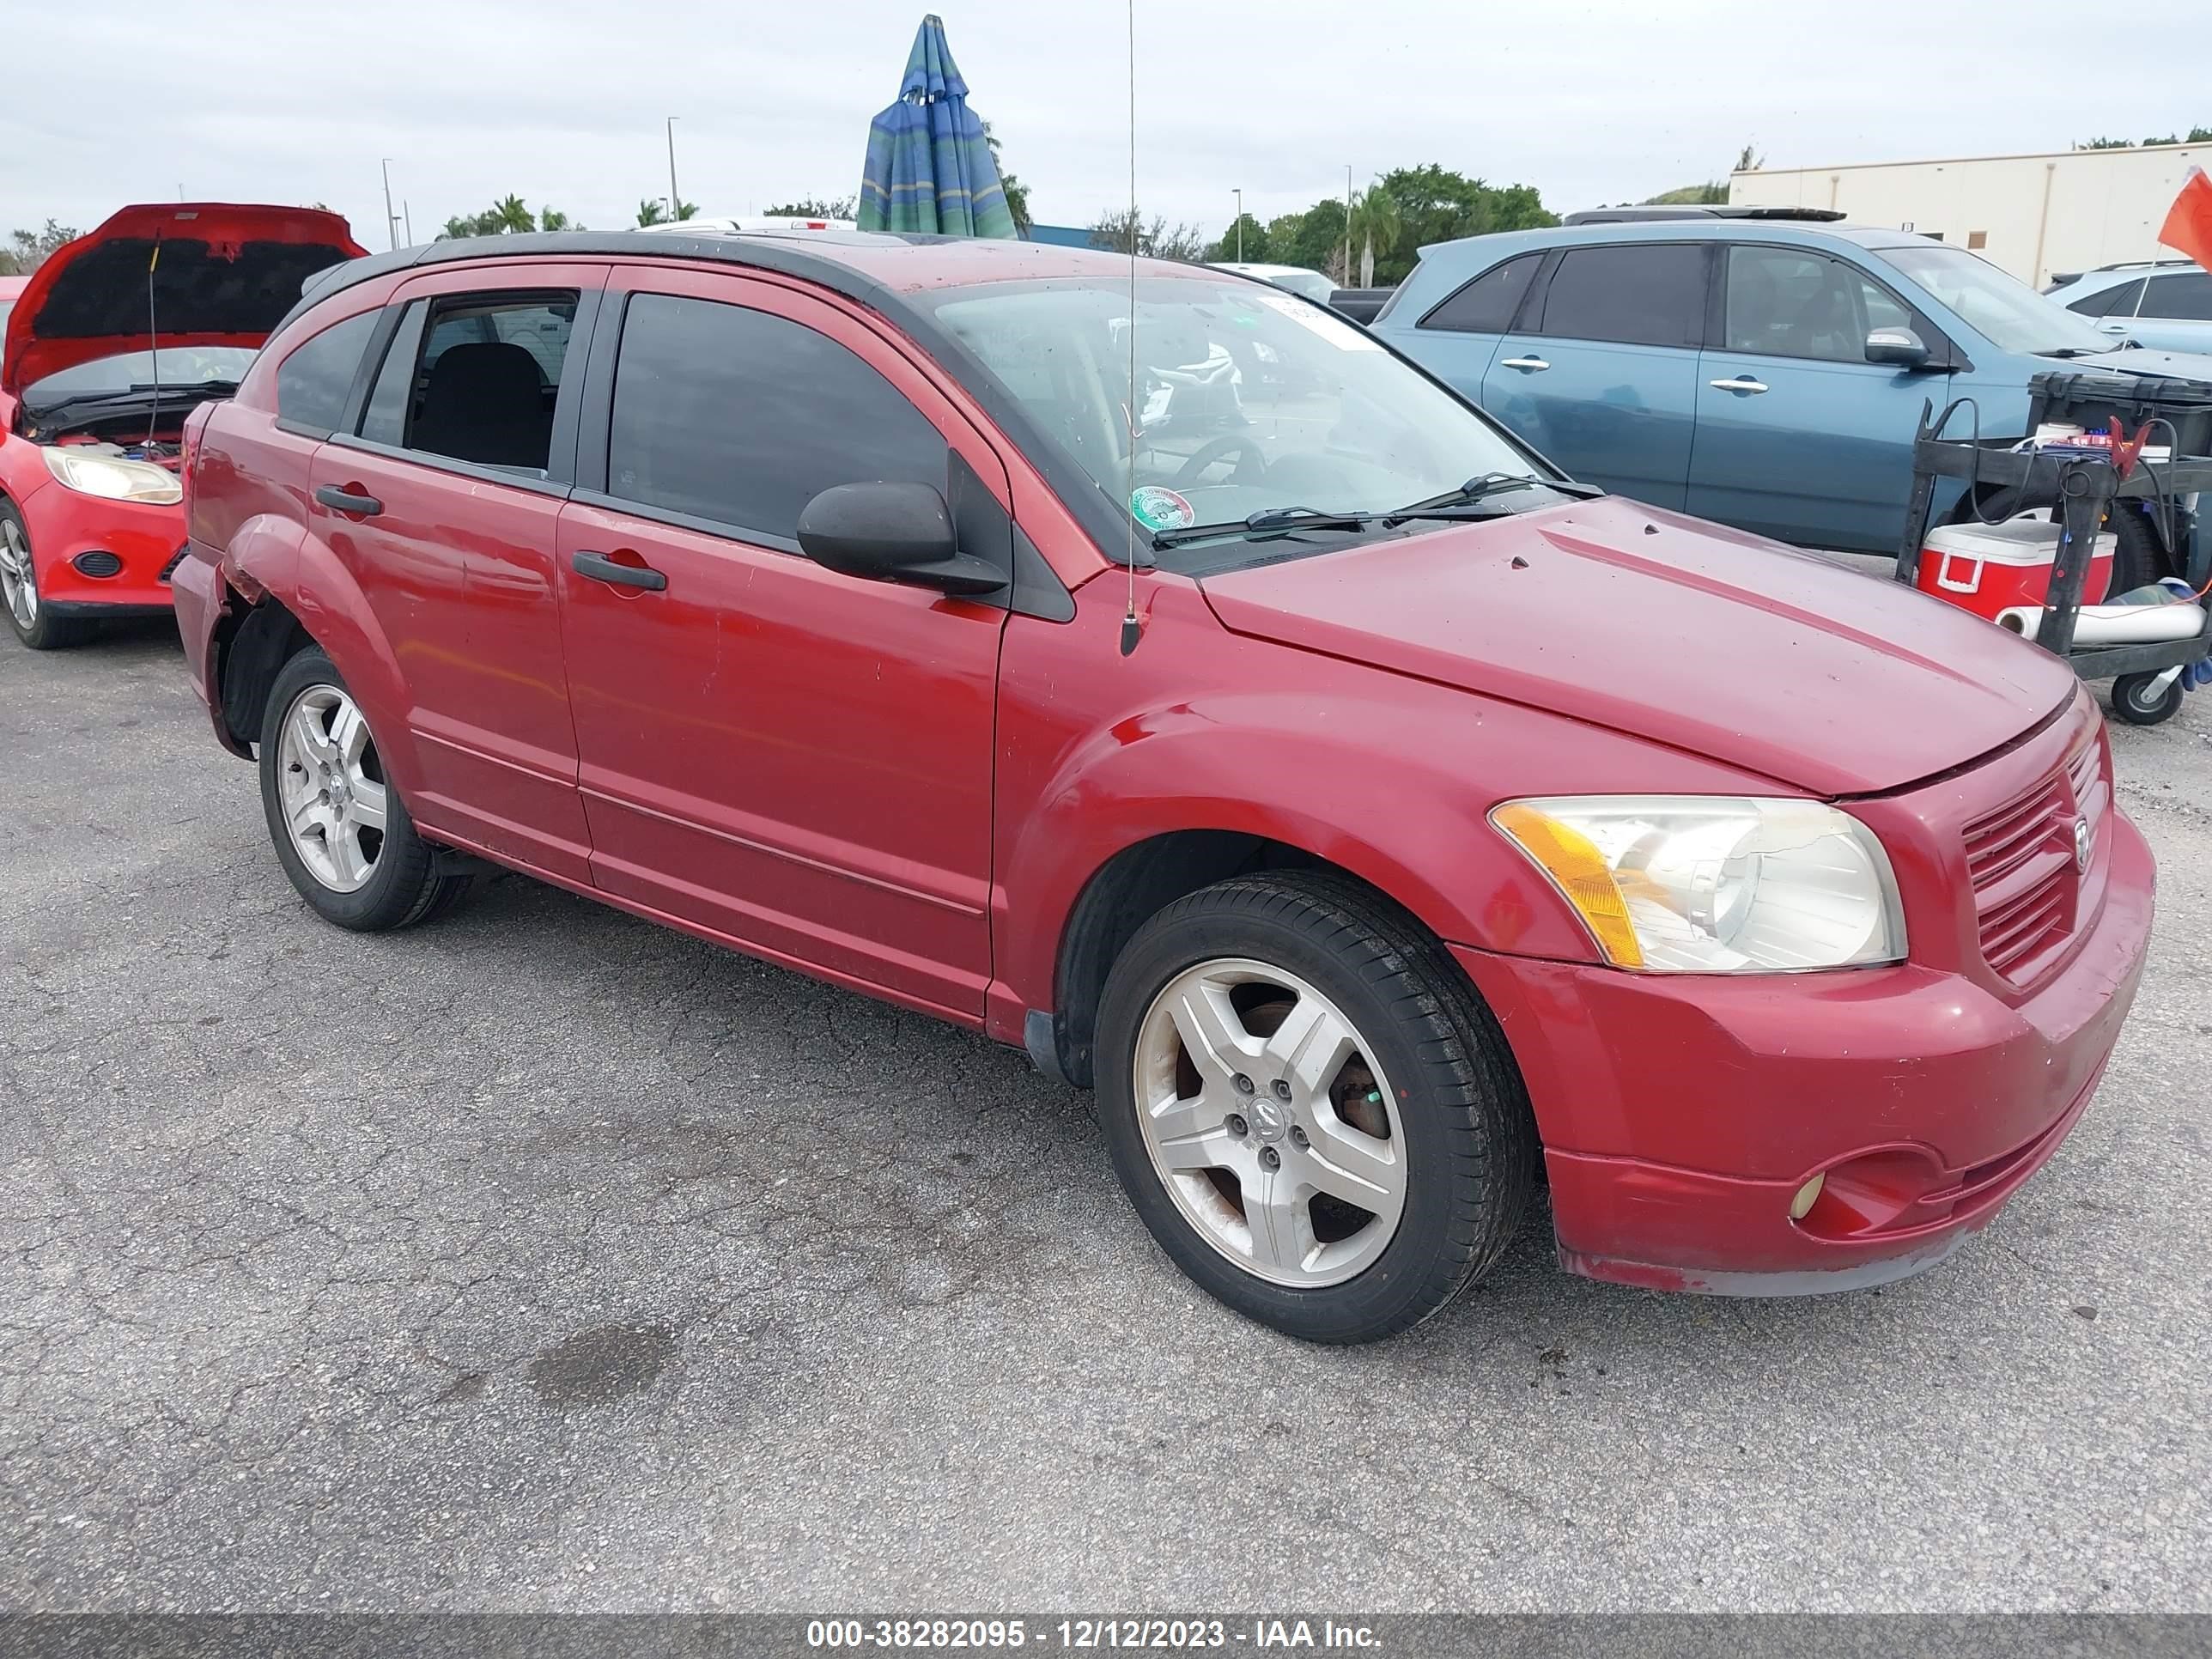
[[116, 480], [1707, 884]]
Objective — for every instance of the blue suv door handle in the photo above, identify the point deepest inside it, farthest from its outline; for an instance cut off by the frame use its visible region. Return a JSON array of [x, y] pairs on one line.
[[1526, 365], [1743, 383]]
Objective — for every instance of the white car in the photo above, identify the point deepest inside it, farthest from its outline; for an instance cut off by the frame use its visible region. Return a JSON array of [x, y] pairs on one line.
[[1312, 284], [700, 226]]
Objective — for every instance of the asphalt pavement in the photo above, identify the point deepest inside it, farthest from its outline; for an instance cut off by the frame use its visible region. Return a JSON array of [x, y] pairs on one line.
[[541, 1258]]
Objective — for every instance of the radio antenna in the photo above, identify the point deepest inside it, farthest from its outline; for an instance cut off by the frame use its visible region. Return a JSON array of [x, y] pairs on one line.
[[1131, 628]]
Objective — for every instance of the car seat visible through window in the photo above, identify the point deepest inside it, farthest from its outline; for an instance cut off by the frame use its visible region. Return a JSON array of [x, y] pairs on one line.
[[485, 403]]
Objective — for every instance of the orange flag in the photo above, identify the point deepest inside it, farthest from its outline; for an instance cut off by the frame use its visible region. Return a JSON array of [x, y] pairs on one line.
[[2188, 227]]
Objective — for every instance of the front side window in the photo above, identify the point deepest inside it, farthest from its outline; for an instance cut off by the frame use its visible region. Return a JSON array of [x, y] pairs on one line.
[[741, 417], [1632, 294], [313, 379], [2185, 296], [2012, 316], [1245, 401], [475, 377], [1785, 303], [1487, 305]]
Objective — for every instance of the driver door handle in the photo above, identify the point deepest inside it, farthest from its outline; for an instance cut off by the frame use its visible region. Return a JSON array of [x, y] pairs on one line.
[[601, 568], [1526, 365], [339, 499], [1743, 383]]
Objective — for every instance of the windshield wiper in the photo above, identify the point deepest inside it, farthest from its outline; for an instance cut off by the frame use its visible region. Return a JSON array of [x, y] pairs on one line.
[[1483, 486], [1267, 521], [203, 389]]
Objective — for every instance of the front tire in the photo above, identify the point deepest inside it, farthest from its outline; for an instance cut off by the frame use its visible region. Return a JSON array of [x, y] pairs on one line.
[[32, 624], [341, 831], [1310, 1107]]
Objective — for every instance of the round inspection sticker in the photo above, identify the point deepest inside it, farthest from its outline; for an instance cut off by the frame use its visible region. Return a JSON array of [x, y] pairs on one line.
[[1157, 508]]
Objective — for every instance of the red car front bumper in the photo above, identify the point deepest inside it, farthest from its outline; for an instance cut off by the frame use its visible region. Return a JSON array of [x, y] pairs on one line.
[[66, 525], [1681, 1115]]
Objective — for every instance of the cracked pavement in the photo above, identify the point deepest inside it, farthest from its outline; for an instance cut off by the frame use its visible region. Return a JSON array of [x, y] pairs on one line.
[[544, 1259]]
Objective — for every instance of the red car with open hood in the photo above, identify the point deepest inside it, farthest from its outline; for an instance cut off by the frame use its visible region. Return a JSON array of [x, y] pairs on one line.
[[1380, 821], [108, 345]]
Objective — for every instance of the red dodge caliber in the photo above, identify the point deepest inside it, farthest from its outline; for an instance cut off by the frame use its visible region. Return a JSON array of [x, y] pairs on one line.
[[1149, 669]]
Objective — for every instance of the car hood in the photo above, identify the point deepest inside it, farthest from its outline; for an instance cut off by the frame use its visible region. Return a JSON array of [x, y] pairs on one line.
[[1721, 644], [2181, 365], [223, 274]]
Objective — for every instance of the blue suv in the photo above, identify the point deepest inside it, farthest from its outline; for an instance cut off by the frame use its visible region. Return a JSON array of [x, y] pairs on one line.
[[1765, 373]]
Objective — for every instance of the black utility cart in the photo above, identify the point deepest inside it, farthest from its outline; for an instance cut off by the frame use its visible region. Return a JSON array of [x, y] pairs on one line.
[[2082, 489]]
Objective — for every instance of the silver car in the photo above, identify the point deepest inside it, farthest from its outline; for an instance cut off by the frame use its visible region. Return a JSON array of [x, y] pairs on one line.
[[2166, 304]]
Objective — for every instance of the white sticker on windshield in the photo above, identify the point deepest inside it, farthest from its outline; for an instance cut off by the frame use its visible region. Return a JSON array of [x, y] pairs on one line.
[[1327, 323]]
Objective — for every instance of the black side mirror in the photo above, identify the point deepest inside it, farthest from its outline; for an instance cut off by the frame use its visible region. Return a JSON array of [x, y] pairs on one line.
[[892, 532], [1898, 348]]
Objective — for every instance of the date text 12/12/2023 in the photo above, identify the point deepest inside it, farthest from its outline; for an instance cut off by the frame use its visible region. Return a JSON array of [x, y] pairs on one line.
[[1116, 1633]]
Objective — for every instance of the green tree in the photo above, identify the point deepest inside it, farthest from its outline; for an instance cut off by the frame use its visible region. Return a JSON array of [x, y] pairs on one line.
[[1313, 239], [815, 206], [1117, 229], [1374, 219], [1254, 247], [1017, 193], [510, 216], [26, 250], [654, 210], [1436, 204]]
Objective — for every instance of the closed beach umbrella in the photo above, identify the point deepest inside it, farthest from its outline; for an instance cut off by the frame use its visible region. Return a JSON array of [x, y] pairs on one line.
[[929, 167]]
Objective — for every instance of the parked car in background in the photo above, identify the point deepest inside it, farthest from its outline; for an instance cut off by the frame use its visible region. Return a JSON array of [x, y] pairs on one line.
[[91, 408], [1360, 805], [1362, 305], [1296, 278], [1766, 373], [2163, 303]]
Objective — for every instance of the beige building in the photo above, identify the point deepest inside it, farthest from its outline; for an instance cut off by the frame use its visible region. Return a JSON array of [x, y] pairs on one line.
[[2067, 211]]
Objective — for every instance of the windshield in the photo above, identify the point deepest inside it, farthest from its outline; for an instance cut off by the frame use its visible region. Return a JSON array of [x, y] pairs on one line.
[[1248, 400], [180, 366], [1311, 283], [2011, 315]]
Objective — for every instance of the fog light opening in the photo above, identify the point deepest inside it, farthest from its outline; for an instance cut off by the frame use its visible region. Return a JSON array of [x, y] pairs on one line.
[[1808, 1195]]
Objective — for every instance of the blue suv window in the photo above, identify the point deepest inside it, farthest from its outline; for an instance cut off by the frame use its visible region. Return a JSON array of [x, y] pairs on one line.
[[1635, 294], [1787, 302], [1487, 305]]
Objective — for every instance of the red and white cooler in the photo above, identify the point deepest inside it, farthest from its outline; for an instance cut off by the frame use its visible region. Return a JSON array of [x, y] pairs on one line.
[[1990, 568]]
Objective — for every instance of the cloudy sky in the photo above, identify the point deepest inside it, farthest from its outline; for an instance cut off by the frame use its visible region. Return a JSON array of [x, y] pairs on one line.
[[560, 102]]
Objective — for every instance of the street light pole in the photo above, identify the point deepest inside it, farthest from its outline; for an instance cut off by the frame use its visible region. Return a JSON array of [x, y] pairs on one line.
[[1240, 224], [675, 200], [391, 219], [1347, 224]]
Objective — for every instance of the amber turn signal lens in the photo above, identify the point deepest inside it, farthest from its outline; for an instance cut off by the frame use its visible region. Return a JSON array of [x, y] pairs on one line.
[[1579, 870]]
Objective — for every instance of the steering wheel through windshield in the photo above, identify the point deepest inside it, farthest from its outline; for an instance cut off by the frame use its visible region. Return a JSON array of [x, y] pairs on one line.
[[1251, 465]]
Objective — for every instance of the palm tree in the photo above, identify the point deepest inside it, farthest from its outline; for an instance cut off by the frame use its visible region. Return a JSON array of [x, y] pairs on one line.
[[652, 211], [1374, 218], [512, 213], [552, 218]]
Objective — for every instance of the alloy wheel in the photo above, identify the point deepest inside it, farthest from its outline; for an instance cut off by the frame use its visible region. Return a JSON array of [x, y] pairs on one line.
[[331, 788], [1270, 1123], [19, 581]]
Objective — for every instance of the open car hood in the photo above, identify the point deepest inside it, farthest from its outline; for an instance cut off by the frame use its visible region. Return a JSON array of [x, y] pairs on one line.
[[223, 274], [1668, 629]]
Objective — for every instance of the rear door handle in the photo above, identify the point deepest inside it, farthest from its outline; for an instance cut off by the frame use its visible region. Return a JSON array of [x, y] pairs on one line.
[[341, 499], [1526, 365], [601, 568], [1743, 383]]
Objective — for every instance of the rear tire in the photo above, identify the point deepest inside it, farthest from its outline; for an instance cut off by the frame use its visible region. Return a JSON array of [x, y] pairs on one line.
[[32, 622], [341, 831], [1380, 1031]]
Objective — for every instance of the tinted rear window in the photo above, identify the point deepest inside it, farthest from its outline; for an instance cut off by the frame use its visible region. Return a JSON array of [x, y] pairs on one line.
[[312, 383], [1487, 305], [1634, 294], [2185, 295]]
